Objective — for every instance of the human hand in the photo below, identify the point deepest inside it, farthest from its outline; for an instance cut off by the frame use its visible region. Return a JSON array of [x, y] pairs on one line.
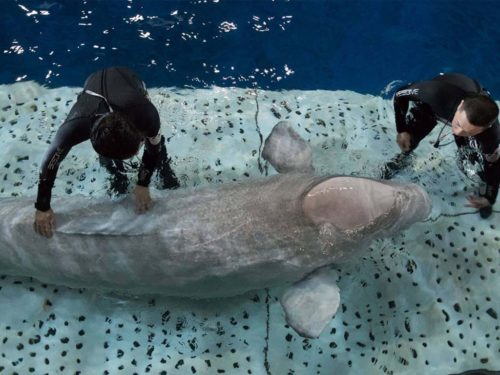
[[477, 202], [45, 223], [143, 200], [404, 141]]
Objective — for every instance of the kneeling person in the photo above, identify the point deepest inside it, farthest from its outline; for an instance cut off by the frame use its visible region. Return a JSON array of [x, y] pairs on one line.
[[463, 103], [115, 113]]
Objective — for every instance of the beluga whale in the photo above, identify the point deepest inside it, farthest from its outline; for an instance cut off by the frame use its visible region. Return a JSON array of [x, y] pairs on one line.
[[219, 240]]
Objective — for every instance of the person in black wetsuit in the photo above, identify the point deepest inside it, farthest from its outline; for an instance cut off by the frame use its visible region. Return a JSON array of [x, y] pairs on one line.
[[463, 103], [115, 113]]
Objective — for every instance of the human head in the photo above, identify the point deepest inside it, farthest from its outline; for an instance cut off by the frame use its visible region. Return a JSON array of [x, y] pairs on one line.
[[474, 114], [115, 137]]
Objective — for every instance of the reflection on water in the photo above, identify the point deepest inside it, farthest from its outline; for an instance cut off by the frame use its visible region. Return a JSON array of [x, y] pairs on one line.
[[269, 45]]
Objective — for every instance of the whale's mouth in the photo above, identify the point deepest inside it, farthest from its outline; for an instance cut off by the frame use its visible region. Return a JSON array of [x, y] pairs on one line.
[[349, 203]]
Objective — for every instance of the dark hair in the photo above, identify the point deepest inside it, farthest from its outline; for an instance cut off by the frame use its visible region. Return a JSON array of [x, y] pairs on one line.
[[114, 137], [481, 110]]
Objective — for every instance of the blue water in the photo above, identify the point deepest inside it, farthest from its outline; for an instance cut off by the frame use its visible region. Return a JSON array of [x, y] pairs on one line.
[[356, 45]]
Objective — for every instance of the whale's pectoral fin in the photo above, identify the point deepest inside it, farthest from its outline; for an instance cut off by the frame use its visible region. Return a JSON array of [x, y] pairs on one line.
[[286, 150], [311, 303]]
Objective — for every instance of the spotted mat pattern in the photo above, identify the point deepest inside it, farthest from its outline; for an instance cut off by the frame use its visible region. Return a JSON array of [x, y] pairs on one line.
[[425, 301]]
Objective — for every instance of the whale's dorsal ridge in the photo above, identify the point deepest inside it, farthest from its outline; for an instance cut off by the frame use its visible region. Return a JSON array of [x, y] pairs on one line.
[[286, 151], [117, 219]]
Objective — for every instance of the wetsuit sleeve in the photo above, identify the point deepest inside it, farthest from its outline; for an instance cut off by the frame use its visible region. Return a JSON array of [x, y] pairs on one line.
[[69, 134], [492, 179], [401, 101], [150, 160], [150, 119], [491, 157], [400, 110], [489, 142]]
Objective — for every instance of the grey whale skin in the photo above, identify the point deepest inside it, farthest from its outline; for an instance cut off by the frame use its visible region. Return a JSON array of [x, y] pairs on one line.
[[219, 240]]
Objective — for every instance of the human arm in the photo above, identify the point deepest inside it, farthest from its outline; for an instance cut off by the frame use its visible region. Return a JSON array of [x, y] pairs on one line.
[[149, 163], [489, 145], [69, 134], [488, 196], [44, 216], [143, 201], [48, 172], [401, 104], [482, 204], [44, 223], [477, 202], [491, 177], [404, 141]]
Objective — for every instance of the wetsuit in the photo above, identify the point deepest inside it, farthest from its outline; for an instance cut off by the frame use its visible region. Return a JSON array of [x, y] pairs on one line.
[[113, 89], [437, 100]]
